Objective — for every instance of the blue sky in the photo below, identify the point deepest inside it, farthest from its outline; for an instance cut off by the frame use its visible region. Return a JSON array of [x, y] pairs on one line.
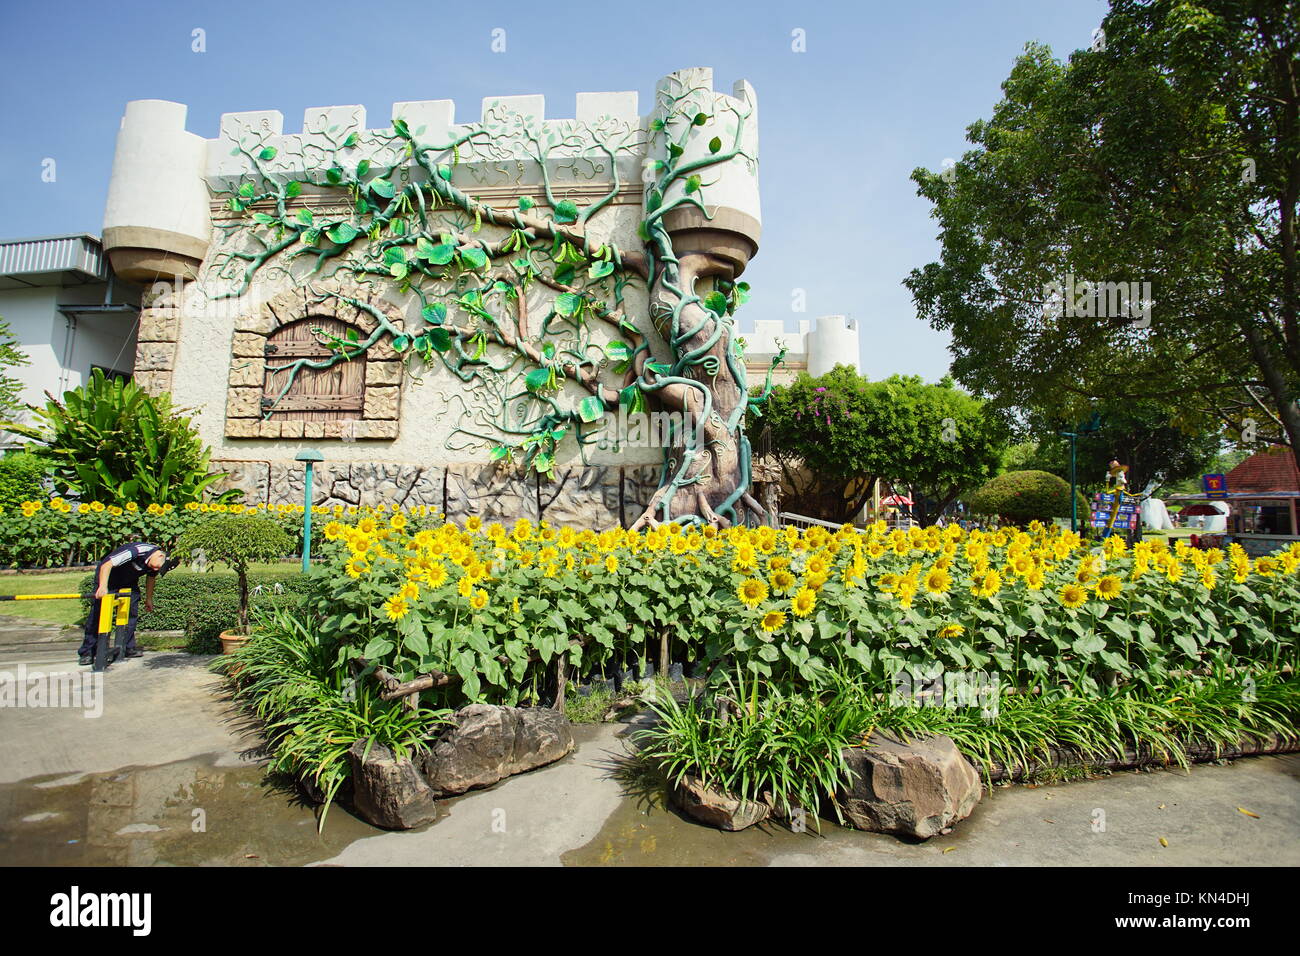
[[881, 89]]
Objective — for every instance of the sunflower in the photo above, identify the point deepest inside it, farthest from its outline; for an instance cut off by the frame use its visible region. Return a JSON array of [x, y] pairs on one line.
[[1034, 580], [804, 602], [435, 575], [1073, 595], [396, 607], [479, 600], [782, 581], [938, 581], [773, 620], [465, 587], [611, 564], [751, 591], [1109, 587], [356, 567], [987, 584], [949, 631], [410, 591]]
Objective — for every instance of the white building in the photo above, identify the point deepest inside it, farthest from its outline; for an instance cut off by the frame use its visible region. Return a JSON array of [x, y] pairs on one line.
[[68, 311], [815, 349]]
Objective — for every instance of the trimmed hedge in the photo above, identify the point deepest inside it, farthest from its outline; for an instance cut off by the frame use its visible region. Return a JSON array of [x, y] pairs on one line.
[[204, 605], [1023, 496]]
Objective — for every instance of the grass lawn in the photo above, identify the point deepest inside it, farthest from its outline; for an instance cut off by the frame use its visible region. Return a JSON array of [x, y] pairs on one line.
[[70, 582]]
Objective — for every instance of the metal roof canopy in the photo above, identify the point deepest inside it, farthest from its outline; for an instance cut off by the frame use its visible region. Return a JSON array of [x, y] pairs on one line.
[[50, 261]]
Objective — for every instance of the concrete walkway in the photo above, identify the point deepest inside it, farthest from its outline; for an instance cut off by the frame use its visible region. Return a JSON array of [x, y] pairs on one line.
[[165, 731]]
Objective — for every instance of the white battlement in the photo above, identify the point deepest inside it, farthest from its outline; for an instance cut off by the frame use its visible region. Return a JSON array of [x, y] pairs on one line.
[[606, 142]]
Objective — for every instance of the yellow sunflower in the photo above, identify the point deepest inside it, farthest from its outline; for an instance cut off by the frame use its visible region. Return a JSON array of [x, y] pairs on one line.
[[1073, 595], [396, 607], [751, 591], [804, 602], [1109, 587], [773, 620]]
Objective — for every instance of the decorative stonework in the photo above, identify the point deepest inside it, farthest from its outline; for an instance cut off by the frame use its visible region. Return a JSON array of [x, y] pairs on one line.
[[155, 349], [246, 417], [594, 496], [493, 492]]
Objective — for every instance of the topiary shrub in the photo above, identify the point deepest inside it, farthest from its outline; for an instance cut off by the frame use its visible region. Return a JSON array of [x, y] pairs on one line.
[[236, 540], [1023, 496]]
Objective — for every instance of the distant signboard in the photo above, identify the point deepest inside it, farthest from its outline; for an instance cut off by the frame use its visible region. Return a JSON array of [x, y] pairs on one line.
[[1215, 486]]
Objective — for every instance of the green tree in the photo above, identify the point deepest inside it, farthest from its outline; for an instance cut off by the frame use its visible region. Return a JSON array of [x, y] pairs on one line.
[[111, 441], [1138, 433], [1170, 154], [236, 540], [836, 434], [11, 356]]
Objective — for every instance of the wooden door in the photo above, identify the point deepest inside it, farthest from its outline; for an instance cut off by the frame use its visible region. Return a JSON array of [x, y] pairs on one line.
[[317, 395]]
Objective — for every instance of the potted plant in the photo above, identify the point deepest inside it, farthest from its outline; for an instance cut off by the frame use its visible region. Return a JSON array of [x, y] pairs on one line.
[[236, 540]]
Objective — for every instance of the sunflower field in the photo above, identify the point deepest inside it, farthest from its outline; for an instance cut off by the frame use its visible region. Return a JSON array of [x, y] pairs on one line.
[[495, 608]]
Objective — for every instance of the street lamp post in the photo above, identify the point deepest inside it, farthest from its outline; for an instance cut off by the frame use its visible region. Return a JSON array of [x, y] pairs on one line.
[[1083, 428], [308, 456]]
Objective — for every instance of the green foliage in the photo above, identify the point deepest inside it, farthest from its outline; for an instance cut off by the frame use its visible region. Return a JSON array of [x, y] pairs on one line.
[[589, 708], [314, 711], [62, 535], [22, 477], [791, 745], [1165, 156], [111, 441], [754, 737], [11, 356], [1136, 432], [1024, 496], [236, 540], [836, 434]]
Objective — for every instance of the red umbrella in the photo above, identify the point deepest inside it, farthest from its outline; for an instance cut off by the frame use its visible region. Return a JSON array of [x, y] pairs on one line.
[[897, 500], [1192, 511]]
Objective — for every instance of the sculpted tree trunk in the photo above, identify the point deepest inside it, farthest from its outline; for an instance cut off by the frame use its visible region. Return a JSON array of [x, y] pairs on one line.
[[700, 235]]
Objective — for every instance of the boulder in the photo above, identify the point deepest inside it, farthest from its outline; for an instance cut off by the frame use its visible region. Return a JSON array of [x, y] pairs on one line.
[[389, 792], [487, 743], [916, 788], [715, 808]]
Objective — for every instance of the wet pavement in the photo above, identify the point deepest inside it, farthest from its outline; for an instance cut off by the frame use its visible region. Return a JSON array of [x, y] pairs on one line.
[[188, 813], [160, 769]]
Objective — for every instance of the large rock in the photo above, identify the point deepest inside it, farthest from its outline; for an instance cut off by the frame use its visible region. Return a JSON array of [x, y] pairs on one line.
[[389, 792], [488, 743], [917, 788], [715, 808]]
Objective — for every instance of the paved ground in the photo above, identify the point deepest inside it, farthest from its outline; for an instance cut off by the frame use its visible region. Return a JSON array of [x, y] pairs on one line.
[[132, 786]]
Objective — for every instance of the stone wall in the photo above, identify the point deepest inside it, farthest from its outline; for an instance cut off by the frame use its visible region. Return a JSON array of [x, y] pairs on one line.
[[594, 496]]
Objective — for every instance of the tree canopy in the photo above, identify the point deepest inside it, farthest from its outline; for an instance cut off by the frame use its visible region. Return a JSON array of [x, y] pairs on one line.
[[836, 434], [1125, 226]]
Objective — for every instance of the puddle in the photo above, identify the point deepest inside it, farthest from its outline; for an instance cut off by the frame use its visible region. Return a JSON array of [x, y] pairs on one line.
[[188, 813], [646, 830]]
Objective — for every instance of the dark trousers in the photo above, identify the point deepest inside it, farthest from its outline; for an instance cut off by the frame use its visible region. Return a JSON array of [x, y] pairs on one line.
[[92, 624]]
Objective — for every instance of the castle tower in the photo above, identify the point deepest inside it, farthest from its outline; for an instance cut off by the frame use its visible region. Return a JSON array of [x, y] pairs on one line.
[[156, 222]]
